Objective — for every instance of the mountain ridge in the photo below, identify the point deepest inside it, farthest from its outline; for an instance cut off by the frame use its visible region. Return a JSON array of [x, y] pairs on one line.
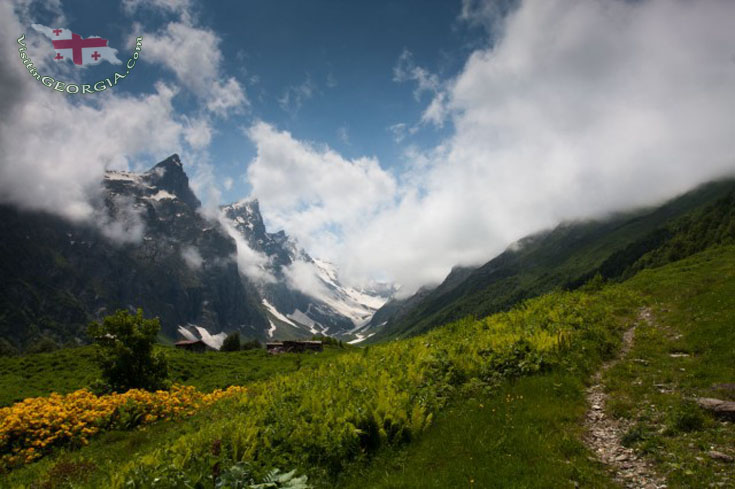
[[563, 257], [149, 245]]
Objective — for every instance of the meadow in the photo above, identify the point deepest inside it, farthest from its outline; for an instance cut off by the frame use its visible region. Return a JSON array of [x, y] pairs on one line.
[[70, 369], [475, 403]]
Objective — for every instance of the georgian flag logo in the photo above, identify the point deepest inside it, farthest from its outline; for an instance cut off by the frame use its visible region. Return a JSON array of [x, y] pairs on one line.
[[82, 52]]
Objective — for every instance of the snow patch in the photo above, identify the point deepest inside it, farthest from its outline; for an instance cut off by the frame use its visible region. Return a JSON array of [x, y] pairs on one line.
[[360, 338], [276, 313], [122, 175], [301, 317], [319, 280], [213, 341], [272, 329], [160, 195], [187, 334]]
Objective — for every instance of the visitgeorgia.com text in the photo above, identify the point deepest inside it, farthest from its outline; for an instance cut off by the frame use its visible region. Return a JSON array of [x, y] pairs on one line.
[[73, 88]]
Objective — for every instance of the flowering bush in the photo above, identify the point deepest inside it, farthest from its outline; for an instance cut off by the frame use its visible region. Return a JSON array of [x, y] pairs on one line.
[[30, 428]]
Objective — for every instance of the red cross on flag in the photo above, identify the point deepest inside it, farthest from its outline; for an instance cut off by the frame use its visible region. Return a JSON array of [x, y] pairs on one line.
[[82, 52]]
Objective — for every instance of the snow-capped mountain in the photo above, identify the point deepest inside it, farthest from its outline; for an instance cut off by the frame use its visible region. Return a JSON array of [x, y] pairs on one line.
[[146, 245], [302, 294]]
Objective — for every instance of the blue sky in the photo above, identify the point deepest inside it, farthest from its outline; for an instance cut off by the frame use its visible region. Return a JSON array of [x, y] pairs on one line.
[[397, 138], [335, 60]]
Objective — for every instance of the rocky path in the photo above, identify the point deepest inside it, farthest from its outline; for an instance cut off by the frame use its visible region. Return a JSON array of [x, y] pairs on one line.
[[604, 434]]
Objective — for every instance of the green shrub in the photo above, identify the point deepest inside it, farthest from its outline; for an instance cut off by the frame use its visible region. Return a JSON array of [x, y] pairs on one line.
[[208, 472], [231, 342], [125, 352], [252, 345], [7, 349], [67, 474], [686, 417], [42, 345], [635, 434]]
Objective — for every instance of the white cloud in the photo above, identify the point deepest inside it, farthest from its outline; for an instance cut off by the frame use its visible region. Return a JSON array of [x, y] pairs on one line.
[[192, 257], [294, 96], [401, 130], [198, 133], [228, 183], [314, 193], [204, 184], [54, 149], [249, 261], [303, 276], [122, 223], [487, 14], [576, 110], [48, 164], [406, 69], [174, 6], [193, 55]]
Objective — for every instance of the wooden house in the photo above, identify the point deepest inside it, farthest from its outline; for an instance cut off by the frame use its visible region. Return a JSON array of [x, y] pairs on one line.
[[197, 346], [293, 346]]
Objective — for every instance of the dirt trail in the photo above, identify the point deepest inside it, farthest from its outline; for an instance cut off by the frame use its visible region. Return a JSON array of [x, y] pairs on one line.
[[604, 434]]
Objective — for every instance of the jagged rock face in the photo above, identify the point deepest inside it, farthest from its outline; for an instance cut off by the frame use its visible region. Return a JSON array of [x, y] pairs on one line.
[[278, 247], [149, 248], [333, 309]]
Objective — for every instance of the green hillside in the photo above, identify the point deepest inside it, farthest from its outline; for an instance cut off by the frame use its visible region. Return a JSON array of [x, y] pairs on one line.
[[567, 257], [492, 402], [450, 398], [527, 435]]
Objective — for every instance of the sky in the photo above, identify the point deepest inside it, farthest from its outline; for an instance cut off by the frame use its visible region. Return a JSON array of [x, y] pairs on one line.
[[396, 139]]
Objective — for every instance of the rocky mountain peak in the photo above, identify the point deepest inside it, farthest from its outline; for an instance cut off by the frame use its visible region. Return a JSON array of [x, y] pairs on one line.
[[169, 175], [247, 218]]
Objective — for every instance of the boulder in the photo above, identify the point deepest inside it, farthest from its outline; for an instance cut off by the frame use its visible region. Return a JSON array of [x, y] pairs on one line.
[[718, 407]]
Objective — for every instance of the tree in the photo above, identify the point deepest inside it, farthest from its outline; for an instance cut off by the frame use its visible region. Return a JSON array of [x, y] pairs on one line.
[[125, 352], [251, 345], [7, 349], [44, 344], [232, 342]]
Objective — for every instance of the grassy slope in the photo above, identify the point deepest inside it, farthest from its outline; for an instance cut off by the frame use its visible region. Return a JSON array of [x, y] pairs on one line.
[[70, 369], [112, 449], [694, 306], [306, 411], [533, 441], [515, 438], [545, 261]]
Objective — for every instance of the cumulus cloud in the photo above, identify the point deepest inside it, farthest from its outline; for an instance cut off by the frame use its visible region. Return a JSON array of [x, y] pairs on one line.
[[192, 53], [198, 132], [313, 192], [49, 164], [572, 110], [54, 149]]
